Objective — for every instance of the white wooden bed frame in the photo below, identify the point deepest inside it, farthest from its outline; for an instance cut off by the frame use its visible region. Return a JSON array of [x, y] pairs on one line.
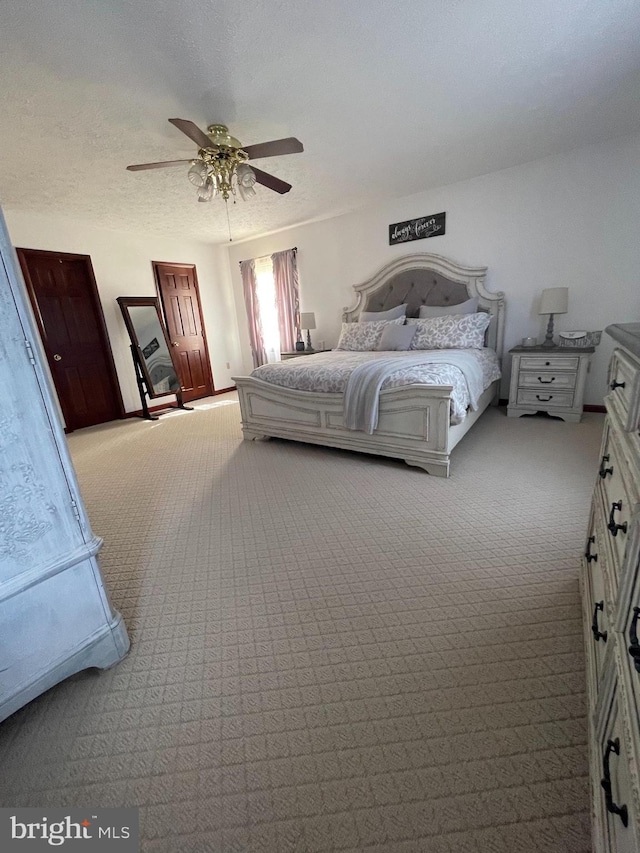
[[413, 421]]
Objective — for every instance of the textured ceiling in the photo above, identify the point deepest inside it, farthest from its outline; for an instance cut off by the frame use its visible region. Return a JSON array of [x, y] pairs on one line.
[[388, 98]]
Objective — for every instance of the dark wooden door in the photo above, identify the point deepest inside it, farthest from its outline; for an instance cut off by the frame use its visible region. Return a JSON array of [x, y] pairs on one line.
[[180, 298], [65, 301]]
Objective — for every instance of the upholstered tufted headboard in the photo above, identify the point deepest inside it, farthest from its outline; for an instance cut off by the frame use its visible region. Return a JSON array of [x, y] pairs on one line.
[[424, 279]]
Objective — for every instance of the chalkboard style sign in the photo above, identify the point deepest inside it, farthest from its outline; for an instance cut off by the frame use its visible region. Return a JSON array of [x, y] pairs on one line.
[[417, 229]]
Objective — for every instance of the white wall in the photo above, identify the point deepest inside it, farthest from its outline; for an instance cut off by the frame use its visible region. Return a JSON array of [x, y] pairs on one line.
[[122, 266], [570, 220]]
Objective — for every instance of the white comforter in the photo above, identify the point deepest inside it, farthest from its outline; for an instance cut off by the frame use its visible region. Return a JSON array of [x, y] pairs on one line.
[[329, 372]]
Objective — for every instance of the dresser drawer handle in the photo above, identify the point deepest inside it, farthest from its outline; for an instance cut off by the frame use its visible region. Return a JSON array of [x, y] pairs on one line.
[[547, 382], [604, 471], [597, 633], [612, 808], [544, 399], [634, 647], [615, 385], [591, 558], [612, 526]]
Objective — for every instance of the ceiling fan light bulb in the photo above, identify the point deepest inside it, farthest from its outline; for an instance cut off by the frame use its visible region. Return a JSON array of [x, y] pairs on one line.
[[197, 174]]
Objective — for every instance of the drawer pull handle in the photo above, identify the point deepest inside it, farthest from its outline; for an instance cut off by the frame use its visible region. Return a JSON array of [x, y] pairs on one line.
[[634, 647], [589, 556], [597, 633], [604, 471], [547, 382], [544, 399], [615, 385], [612, 808], [612, 526]]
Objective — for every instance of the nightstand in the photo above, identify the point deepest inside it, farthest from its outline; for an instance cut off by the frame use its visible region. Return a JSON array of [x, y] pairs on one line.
[[548, 379], [285, 355]]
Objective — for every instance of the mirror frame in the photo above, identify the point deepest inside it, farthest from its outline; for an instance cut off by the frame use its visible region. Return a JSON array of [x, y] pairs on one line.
[[126, 302]]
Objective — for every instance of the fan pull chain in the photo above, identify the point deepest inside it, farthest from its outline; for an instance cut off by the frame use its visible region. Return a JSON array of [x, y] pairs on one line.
[[226, 204]]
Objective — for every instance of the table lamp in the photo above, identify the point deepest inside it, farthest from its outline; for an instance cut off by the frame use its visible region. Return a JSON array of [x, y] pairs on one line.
[[554, 300], [308, 321]]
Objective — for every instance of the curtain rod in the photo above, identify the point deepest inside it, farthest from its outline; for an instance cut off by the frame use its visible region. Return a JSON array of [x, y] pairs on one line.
[[292, 249]]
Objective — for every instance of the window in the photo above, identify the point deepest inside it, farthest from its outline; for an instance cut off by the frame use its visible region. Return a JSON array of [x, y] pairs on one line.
[[266, 294]]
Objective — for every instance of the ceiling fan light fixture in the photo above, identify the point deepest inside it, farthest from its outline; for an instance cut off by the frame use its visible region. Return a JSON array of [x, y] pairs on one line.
[[246, 192], [197, 174], [245, 176], [207, 191]]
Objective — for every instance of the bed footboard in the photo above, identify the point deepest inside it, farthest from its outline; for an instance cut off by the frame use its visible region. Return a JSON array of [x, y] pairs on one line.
[[413, 422]]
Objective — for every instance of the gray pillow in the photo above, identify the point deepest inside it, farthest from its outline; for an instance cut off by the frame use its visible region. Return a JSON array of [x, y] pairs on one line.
[[376, 316], [468, 307], [396, 338]]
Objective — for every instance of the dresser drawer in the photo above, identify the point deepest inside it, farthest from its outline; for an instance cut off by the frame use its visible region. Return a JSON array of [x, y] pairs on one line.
[[614, 797], [555, 362], [596, 601], [547, 380], [627, 623], [545, 399], [619, 496], [624, 386]]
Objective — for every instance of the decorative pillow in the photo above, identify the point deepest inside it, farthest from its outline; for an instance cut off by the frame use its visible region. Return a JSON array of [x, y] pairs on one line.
[[468, 307], [377, 316], [363, 337], [396, 337], [455, 331]]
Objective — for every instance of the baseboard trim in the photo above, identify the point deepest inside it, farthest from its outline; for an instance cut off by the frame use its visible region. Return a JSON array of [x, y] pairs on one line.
[[138, 413]]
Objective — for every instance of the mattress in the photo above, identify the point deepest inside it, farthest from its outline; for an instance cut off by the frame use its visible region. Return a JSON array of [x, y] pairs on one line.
[[328, 372]]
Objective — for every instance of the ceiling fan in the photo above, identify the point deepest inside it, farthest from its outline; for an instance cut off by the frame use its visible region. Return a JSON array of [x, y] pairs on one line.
[[221, 165]]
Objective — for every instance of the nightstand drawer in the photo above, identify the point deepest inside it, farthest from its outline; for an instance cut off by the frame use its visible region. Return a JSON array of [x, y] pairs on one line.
[[547, 379], [545, 399], [555, 362]]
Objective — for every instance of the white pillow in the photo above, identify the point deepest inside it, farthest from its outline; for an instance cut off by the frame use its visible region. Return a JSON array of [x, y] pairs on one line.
[[468, 307], [378, 316], [364, 337], [454, 331]]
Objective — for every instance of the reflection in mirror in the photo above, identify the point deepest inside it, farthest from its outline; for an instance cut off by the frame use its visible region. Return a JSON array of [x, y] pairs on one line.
[[154, 349]]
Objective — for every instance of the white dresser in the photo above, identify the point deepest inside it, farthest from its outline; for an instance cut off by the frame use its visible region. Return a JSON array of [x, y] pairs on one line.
[[610, 585], [55, 616]]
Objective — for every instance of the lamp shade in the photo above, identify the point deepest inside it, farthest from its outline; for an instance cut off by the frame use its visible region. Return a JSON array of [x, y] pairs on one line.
[[308, 321], [554, 300]]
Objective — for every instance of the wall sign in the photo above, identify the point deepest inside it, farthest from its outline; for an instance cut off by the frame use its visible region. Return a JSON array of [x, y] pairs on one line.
[[417, 229]]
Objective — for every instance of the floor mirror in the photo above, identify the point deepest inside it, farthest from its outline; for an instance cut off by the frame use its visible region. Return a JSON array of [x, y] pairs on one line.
[[156, 372]]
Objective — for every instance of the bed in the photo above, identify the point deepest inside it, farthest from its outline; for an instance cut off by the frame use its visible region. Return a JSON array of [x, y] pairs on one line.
[[414, 420]]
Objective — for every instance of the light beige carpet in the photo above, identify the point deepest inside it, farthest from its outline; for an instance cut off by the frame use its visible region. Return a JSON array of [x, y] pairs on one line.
[[329, 651]]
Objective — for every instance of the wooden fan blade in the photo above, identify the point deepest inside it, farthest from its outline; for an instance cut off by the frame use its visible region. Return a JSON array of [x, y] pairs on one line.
[[290, 145], [271, 182], [192, 131], [140, 166]]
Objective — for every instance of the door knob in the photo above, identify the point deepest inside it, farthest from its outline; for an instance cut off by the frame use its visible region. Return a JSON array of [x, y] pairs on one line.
[[175, 344], [57, 357]]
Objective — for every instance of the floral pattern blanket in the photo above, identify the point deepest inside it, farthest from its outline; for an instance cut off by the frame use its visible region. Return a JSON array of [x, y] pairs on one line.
[[329, 372]]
